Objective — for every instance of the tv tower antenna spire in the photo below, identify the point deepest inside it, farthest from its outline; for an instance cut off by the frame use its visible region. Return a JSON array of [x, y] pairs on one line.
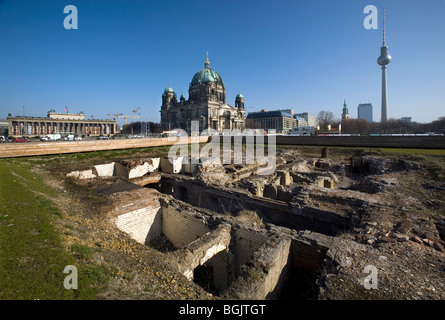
[[384, 60], [384, 27]]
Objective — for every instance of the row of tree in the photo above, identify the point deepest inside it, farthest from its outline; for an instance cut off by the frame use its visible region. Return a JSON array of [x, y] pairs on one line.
[[392, 126], [141, 128]]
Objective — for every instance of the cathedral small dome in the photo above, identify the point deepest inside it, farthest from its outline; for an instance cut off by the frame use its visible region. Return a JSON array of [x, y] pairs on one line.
[[169, 89], [239, 96]]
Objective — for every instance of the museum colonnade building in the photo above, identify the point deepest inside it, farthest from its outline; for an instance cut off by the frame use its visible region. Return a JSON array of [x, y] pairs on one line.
[[63, 123]]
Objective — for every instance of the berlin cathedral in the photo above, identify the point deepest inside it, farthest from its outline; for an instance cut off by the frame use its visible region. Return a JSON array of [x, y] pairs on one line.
[[206, 104]]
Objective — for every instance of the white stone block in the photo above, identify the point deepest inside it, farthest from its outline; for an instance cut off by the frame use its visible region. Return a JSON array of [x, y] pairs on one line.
[[153, 164], [86, 174], [138, 171], [105, 170]]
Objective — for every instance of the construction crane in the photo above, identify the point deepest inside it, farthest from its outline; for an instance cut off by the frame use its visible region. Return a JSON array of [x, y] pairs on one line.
[[116, 115], [126, 117], [135, 110]]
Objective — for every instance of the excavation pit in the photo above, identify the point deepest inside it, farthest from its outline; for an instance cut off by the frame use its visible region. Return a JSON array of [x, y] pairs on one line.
[[211, 251]]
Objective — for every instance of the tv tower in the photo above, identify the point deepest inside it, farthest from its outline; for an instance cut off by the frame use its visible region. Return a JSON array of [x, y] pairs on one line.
[[383, 60]]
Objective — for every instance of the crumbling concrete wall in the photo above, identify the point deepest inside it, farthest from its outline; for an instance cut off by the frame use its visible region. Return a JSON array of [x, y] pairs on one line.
[[246, 242], [203, 249], [181, 227], [274, 260], [143, 167], [168, 165]]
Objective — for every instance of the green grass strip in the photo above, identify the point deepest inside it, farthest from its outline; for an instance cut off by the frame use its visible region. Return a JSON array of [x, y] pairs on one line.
[[32, 258]]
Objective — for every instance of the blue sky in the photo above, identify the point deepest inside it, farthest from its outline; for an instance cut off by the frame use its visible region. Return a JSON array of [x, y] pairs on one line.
[[307, 55]]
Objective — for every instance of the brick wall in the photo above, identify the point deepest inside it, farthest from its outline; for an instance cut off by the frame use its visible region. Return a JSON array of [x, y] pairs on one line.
[[142, 225], [246, 243], [222, 273], [181, 228]]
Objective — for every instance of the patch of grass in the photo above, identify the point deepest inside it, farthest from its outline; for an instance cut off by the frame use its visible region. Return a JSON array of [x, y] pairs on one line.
[[32, 257], [433, 152], [98, 274], [82, 251]]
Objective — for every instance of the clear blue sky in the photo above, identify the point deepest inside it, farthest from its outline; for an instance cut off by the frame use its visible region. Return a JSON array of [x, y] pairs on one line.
[[306, 55]]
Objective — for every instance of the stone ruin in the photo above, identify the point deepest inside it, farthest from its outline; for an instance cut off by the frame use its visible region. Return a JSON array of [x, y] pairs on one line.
[[244, 235]]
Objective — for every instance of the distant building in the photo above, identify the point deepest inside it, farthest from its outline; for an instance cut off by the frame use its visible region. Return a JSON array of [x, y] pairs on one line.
[[74, 123], [364, 111], [291, 111], [405, 119], [310, 119], [345, 113], [280, 120], [3, 127], [301, 122]]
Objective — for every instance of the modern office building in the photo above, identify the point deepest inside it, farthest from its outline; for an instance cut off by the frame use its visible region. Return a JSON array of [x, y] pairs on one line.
[[300, 122], [364, 111], [63, 123], [310, 119], [280, 120]]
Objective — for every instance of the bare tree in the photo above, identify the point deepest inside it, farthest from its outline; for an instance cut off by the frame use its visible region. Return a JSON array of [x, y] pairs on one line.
[[325, 118], [355, 126]]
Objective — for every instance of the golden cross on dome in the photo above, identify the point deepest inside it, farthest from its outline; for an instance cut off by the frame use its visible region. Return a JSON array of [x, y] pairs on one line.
[[207, 63]]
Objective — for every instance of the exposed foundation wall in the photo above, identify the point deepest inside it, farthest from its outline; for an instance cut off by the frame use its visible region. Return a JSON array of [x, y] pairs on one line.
[[143, 224], [210, 250], [181, 228], [146, 223], [276, 264], [245, 243], [271, 211], [222, 264], [278, 272]]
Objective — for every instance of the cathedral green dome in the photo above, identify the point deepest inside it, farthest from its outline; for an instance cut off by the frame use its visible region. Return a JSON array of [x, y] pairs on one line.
[[239, 96], [206, 75]]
